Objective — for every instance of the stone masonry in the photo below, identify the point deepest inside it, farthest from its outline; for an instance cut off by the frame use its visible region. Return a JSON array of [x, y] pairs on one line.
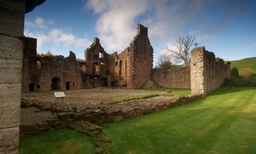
[[207, 72], [48, 72], [130, 68], [11, 32], [175, 77]]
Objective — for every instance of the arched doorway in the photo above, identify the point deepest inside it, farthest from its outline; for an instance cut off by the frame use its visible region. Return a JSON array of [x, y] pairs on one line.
[[55, 83]]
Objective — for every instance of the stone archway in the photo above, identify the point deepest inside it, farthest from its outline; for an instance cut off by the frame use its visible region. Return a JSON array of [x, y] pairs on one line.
[[55, 83]]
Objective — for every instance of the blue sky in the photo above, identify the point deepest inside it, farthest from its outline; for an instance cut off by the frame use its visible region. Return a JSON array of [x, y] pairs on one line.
[[226, 27]]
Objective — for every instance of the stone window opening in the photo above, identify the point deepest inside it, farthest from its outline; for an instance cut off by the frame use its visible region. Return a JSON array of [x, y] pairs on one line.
[[38, 63], [96, 69], [120, 68]]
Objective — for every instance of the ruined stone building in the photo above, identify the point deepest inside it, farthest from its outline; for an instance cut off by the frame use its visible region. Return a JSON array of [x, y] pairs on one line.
[[130, 68], [21, 68], [47, 72]]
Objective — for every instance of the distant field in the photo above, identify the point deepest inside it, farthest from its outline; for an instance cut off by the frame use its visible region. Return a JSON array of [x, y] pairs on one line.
[[245, 66]]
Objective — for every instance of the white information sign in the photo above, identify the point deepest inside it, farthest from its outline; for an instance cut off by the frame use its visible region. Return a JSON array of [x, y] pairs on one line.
[[59, 94]]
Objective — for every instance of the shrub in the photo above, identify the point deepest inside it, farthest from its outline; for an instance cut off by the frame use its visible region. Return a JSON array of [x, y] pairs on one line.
[[237, 81]]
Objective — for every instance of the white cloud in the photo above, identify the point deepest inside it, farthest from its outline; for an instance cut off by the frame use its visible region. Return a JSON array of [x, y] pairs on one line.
[[55, 37], [116, 24], [38, 23]]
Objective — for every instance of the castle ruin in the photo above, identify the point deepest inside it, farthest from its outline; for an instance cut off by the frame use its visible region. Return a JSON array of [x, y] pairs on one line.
[[132, 68]]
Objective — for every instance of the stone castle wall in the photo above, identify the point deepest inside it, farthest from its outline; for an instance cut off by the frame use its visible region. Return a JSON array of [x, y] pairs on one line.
[[130, 68], [207, 71], [175, 77], [11, 32], [58, 73], [141, 58], [29, 67]]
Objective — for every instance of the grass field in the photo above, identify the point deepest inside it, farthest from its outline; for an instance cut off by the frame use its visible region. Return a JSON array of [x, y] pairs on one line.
[[245, 66], [62, 141], [221, 123]]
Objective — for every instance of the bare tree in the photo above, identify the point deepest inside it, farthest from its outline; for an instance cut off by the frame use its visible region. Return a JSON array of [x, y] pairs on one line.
[[164, 62], [182, 51]]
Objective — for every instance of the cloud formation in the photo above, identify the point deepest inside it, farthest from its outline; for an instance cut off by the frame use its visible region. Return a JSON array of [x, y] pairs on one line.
[[38, 23], [116, 24], [55, 37]]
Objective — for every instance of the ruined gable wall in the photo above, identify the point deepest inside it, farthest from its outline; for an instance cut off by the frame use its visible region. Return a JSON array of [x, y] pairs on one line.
[[207, 72], [29, 67], [141, 58], [96, 59], [175, 77], [11, 32]]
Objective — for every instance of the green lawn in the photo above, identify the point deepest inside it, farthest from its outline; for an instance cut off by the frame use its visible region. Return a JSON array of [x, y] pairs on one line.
[[221, 123], [173, 91], [62, 141]]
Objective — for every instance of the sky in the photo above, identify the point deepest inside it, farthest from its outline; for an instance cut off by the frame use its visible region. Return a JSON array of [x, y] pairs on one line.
[[225, 27]]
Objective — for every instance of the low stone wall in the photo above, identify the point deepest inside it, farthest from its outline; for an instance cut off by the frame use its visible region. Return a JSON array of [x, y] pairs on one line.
[[107, 113]]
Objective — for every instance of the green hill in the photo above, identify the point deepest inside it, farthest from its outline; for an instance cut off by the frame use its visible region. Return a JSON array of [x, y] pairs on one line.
[[245, 66]]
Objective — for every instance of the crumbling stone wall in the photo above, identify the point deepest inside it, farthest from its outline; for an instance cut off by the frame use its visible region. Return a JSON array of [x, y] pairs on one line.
[[58, 73], [130, 68], [207, 72], [175, 77], [141, 58], [11, 32], [29, 67]]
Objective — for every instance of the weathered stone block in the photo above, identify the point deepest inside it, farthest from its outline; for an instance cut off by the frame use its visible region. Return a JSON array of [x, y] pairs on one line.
[[10, 95], [9, 140], [10, 47], [10, 71], [11, 22], [9, 116]]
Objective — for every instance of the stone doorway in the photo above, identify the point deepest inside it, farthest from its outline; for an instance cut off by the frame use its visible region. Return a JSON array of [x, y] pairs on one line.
[[31, 87], [67, 85], [55, 83]]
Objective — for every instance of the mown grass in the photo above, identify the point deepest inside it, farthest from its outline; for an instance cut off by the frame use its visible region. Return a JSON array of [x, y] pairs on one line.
[[245, 66], [223, 122], [62, 141]]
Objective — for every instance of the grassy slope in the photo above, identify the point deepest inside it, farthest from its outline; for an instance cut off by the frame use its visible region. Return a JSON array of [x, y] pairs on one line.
[[245, 66], [62, 141], [223, 122]]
